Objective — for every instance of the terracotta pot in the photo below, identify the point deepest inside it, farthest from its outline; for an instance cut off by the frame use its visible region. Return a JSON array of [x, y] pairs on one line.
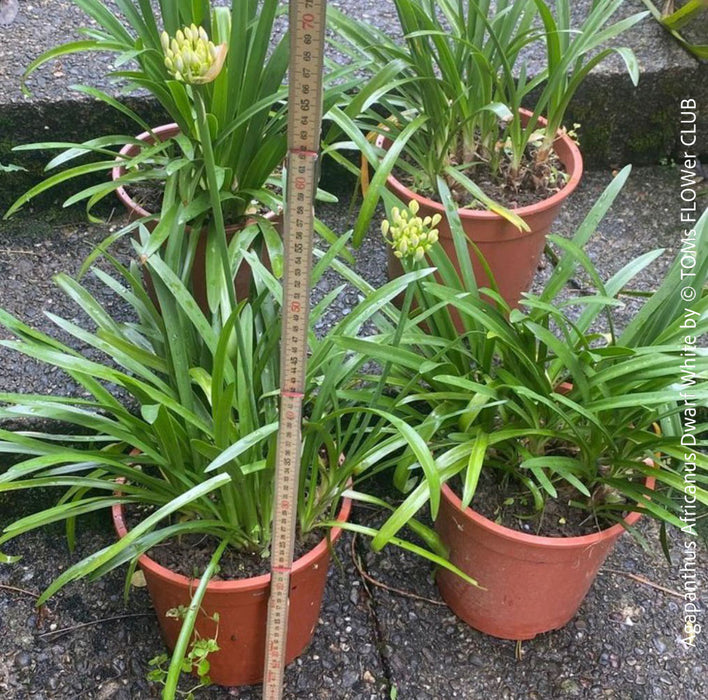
[[512, 255], [130, 150], [242, 606], [533, 584], [243, 278]]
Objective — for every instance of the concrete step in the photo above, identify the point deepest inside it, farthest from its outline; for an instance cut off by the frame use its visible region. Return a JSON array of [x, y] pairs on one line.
[[619, 123]]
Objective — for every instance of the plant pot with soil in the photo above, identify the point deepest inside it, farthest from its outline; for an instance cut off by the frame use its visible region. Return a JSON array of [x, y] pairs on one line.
[[183, 410], [530, 583], [236, 88], [269, 222], [494, 242], [148, 203], [241, 603], [455, 137], [555, 426], [242, 91]]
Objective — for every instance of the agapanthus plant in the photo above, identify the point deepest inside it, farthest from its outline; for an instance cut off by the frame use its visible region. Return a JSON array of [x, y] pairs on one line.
[[242, 86], [459, 79], [553, 397], [192, 434]]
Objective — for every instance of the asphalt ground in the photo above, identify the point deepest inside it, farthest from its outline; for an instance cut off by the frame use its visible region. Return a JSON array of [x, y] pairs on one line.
[[372, 640]]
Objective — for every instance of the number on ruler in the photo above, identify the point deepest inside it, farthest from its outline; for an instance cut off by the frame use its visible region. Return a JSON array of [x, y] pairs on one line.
[[305, 94]]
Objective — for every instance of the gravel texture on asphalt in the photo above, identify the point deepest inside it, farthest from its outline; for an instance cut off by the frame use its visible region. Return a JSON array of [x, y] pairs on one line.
[[624, 642], [32, 34], [42, 24]]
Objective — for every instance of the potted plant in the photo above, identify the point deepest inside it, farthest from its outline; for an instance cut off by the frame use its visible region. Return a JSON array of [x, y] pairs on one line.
[[558, 428], [454, 135], [176, 435], [248, 119], [228, 119]]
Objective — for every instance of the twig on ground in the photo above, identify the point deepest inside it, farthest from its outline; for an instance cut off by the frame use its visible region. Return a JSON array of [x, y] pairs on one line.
[[65, 630], [390, 589], [42, 611], [24, 591], [20, 251], [645, 581]]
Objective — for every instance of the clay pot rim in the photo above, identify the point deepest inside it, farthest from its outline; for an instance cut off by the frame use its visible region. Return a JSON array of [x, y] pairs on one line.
[[574, 165], [132, 149], [253, 583], [542, 541]]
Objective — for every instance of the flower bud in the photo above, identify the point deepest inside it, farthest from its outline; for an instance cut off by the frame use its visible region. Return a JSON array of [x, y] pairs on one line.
[[192, 57], [410, 235]]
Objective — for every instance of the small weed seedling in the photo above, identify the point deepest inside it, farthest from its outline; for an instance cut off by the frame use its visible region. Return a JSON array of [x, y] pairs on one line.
[[194, 661]]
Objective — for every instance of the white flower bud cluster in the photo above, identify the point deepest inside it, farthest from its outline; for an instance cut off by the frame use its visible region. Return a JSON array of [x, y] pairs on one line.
[[408, 234], [190, 57]]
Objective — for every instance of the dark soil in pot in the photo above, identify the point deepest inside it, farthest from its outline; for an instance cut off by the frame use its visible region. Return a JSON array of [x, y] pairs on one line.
[[148, 194], [190, 555], [509, 503], [537, 182]]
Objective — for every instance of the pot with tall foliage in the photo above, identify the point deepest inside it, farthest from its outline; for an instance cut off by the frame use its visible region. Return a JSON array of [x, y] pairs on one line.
[[455, 137], [218, 73], [568, 426], [188, 450], [176, 436]]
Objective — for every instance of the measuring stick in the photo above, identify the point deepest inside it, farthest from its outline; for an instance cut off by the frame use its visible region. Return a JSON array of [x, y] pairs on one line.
[[307, 25]]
